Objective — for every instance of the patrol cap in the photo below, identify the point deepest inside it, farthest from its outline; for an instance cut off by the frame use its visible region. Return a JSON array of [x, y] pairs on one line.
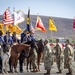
[[67, 41], [57, 40], [14, 32]]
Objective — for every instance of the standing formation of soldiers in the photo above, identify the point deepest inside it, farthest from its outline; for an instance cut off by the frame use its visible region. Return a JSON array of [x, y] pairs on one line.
[[63, 57]]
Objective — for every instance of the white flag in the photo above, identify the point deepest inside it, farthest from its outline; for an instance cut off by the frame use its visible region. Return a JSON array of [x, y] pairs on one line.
[[19, 17]]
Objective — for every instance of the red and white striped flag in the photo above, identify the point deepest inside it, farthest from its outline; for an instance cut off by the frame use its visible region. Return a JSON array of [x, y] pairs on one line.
[[32, 28], [8, 19]]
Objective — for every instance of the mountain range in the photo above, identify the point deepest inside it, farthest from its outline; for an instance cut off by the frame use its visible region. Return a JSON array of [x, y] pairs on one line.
[[64, 27]]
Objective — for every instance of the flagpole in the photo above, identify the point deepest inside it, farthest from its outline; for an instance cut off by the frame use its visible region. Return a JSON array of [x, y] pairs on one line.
[[7, 25], [37, 14], [7, 30], [13, 11], [51, 34], [13, 18], [36, 18], [52, 27]]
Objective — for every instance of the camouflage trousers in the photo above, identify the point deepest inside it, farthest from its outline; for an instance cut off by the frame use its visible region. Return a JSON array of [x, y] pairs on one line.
[[59, 62], [34, 58], [68, 64]]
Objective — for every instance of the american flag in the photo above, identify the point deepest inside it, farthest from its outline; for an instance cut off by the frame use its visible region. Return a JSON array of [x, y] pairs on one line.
[[32, 28], [8, 19]]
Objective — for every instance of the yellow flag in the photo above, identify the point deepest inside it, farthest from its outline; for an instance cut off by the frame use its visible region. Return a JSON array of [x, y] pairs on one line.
[[52, 27], [7, 27], [14, 29], [1, 28], [11, 28], [18, 29]]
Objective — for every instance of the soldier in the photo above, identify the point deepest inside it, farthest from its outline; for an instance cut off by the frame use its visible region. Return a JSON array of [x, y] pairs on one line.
[[1, 42], [47, 57], [68, 57], [24, 39], [34, 51], [1, 37], [24, 36], [14, 38], [8, 38], [59, 55], [32, 36]]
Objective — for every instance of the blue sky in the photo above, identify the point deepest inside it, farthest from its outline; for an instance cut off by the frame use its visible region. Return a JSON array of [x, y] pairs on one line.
[[55, 8]]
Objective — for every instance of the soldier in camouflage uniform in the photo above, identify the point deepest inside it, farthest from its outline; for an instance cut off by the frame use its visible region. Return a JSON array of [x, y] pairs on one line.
[[68, 57], [59, 55], [34, 60], [47, 56], [34, 51]]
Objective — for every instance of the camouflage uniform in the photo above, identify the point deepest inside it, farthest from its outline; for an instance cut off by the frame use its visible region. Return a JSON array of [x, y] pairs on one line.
[[34, 59], [59, 57], [34, 51], [47, 56], [53, 54], [68, 57]]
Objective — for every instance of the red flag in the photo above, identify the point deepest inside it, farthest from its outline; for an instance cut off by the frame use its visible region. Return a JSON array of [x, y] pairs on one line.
[[74, 23], [39, 25], [7, 17]]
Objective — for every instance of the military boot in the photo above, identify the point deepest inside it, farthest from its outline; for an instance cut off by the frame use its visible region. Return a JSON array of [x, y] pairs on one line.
[[59, 71], [48, 72], [69, 73]]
